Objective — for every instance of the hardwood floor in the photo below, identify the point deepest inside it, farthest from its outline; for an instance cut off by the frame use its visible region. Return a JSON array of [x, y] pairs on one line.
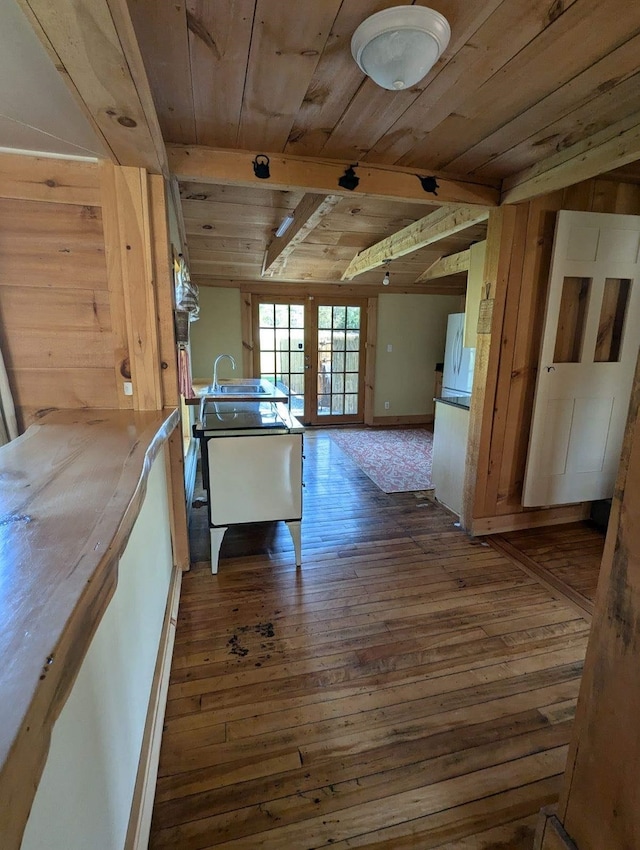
[[407, 688], [567, 556]]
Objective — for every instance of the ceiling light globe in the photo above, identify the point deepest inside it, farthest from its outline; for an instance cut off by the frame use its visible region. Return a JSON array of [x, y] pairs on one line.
[[397, 47]]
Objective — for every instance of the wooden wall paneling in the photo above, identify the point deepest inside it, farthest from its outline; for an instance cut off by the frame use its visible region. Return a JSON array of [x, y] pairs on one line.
[[219, 41], [370, 359], [577, 197], [289, 46], [628, 200], [507, 377], [52, 244], [113, 254], [161, 30], [39, 391], [524, 364], [54, 305], [500, 234], [134, 228], [164, 290], [177, 500], [598, 803], [248, 339], [33, 178]]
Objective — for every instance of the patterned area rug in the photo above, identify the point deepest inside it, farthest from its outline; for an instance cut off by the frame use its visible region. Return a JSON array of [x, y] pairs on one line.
[[395, 459]]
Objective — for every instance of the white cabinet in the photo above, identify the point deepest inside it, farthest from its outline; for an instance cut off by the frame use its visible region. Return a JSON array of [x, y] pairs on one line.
[[451, 431]]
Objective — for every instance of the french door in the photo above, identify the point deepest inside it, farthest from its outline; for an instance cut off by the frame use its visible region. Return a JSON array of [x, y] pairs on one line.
[[314, 350]]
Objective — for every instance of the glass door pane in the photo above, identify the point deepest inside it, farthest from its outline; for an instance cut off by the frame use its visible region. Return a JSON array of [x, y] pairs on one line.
[[339, 361], [281, 341]]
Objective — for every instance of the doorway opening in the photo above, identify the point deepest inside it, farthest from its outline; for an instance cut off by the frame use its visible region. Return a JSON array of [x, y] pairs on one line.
[[314, 350]]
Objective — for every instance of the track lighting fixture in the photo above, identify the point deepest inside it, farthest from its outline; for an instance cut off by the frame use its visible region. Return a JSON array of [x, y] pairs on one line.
[[261, 166], [429, 184], [349, 179]]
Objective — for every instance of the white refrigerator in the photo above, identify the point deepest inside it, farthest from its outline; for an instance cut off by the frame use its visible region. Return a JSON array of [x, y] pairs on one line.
[[457, 376]]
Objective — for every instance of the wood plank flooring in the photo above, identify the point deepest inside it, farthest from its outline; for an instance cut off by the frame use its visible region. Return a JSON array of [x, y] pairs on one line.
[[568, 556], [407, 688]]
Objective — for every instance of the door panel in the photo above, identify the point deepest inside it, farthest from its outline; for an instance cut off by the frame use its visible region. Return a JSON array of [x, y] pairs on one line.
[[315, 351], [588, 357]]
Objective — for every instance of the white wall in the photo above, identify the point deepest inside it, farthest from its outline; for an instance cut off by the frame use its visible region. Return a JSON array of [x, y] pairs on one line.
[[415, 326], [84, 797], [217, 331]]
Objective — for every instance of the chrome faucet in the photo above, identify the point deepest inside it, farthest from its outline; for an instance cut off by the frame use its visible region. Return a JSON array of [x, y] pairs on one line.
[[215, 368]]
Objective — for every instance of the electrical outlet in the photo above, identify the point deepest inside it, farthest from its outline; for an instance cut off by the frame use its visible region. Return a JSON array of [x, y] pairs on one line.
[[387, 405], [389, 348], [128, 387]]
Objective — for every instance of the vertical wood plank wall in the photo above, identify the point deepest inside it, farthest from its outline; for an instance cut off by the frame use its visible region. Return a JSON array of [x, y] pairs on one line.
[[519, 273], [86, 298], [85, 295]]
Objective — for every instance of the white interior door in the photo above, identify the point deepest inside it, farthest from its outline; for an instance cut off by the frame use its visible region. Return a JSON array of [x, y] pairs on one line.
[[588, 357]]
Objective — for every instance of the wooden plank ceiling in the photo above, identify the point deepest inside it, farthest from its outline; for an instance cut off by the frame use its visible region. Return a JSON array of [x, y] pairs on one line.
[[521, 82]]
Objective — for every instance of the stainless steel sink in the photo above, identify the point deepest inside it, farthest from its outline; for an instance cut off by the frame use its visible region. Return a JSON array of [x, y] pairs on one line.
[[240, 389]]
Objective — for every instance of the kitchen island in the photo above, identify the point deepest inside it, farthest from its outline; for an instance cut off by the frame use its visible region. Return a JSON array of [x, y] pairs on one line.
[[251, 467], [88, 604]]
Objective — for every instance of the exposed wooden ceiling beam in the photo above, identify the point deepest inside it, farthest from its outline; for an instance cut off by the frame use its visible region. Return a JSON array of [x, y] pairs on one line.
[[235, 168], [438, 225], [613, 147], [453, 264], [93, 46], [333, 289], [306, 216]]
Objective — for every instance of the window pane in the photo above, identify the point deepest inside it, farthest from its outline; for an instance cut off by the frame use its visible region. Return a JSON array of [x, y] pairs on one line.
[[351, 363], [267, 340], [265, 314], [353, 340], [337, 342], [296, 341], [267, 363], [572, 319], [296, 361], [282, 315], [353, 317], [339, 317], [612, 314], [351, 404], [324, 317], [283, 359], [337, 362], [297, 316], [296, 383], [337, 383], [337, 404], [351, 382]]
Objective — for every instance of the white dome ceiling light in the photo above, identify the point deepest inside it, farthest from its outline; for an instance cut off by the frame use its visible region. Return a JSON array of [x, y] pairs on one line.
[[397, 47]]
